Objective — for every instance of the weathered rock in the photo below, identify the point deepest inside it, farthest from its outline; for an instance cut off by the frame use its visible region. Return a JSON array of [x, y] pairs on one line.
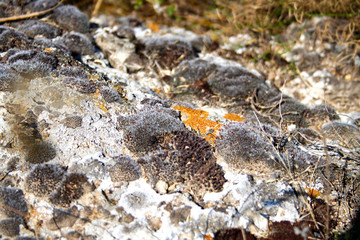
[[242, 143], [78, 43], [39, 152], [124, 216], [180, 215], [142, 130], [10, 227], [10, 38], [71, 188], [72, 121], [346, 134], [62, 219], [71, 19], [8, 78], [34, 28], [320, 114], [166, 52], [44, 179], [125, 169], [116, 49], [13, 204]]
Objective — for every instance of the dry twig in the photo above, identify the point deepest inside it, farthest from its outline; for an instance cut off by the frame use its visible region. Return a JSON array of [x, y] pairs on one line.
[[30, 15]]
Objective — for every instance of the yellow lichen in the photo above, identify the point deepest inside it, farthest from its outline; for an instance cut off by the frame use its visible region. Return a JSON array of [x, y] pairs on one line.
[[197, 120], [102, 106], [313, 193], [50, 50], [97, 93], [233, 117], [98, 101]]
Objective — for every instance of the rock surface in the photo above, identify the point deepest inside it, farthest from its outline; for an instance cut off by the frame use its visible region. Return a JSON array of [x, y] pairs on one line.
[[150, 135]]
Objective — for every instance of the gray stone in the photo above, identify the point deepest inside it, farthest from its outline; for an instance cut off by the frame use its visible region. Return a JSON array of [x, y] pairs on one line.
[[346, 134], [62, 219], [10, 227], [72, 121], [12, 203], [180, 215]]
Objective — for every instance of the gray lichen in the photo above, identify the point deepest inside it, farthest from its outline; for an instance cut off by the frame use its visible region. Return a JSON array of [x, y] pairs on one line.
[[125, 169], [142, 130]]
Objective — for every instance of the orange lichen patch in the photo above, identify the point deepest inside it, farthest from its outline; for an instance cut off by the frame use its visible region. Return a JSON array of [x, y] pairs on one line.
[[49, 50], [233, 117], [98, 101], [94, 77], [97, 93], [313, 193], [102, 106], [34, 213], [157, 90], [153, 26], [197, 120], [208, 237]]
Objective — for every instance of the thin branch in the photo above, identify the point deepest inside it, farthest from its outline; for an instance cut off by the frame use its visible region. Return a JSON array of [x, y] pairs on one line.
[[30, 15], [97, 7]]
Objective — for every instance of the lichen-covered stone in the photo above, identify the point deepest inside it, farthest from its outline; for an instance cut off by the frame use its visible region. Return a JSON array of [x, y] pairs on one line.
[[244, 144], [318, 115], [125, 169], [130, 21], [234, 82], [32, 63], [226, 81], [142, 130], [29, 238], [8, 78], [72, 187], [75, 235], [79, 84], [73, 71], [346, 134], [78, 43], [10, 227], [39, 152], [71, 18], [240, 143], [161, 166], [283, 108], [44, 179], [34, 28], [41, 5], [11, 38], [72, 121], [13, 204], [110, 95], [167, 51], [125, 32], [59, 50], [186, 159], [63, 218], [31, 69]]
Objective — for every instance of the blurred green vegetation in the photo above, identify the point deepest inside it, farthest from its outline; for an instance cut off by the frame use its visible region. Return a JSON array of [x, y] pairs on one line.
[[218, 18]]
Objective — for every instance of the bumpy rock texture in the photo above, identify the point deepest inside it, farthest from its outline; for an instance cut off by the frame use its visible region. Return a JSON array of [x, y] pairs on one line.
[[146, 134], [142, 130], [184, 158]]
